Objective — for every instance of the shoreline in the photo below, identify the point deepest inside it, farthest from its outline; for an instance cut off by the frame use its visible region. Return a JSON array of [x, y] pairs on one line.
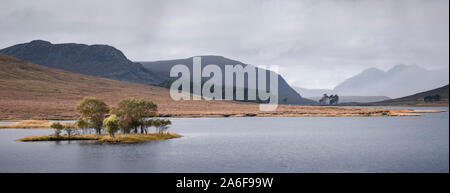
[[322, 111], [105, 138], [381, 113]]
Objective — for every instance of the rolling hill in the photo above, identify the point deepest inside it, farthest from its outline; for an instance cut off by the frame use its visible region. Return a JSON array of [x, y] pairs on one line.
[[108, 62], [286, 94], [31, 91], [96, 60], [419, 99]]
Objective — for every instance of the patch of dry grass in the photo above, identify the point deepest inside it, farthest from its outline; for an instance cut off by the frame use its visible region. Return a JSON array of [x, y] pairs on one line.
[[30, 91], [136, 138], [104, 138], [28, 124], [61, 137]]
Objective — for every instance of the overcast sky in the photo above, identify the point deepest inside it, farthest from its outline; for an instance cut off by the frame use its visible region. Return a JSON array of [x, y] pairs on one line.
[[317, 44]]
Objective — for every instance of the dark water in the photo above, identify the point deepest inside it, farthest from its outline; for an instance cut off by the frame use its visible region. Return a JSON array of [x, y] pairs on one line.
[[252, 144]]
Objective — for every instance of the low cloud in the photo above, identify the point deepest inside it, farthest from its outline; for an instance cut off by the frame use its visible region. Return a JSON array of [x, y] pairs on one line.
[[317, 44]]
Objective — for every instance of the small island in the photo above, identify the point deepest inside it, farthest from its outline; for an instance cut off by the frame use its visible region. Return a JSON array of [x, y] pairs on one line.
[[105, 138], [128, 122]]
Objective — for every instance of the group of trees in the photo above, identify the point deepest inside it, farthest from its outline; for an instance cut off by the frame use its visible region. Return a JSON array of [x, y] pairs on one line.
[[67, 127], [329, 100], [432, 98], [130, 115]]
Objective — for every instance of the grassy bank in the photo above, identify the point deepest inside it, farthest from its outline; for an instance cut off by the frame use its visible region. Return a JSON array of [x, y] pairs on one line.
[[104, 138], [283, 111], [28, 124]]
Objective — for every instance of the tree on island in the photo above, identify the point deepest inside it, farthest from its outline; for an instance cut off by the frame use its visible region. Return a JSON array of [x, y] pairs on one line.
[[162, 125], [329, 100], [111, 125], [432, 98], [334, 99], [133, 113], [324, 100], [149, 123], [57, 127], [437, 97], [94, 111], [69, 128], [82, 125]]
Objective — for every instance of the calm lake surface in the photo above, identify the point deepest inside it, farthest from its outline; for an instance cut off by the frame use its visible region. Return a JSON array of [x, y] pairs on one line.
[[250, 144]]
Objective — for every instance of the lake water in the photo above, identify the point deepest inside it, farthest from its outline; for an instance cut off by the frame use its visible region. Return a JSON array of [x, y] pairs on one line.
[[250, 144]]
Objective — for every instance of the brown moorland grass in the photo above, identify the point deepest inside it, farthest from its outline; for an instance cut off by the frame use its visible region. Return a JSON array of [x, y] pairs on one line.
[[31, 91], [105, 138], [28, 124]]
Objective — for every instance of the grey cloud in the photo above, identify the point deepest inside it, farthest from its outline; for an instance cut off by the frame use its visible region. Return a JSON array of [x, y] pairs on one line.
[[316, 43]]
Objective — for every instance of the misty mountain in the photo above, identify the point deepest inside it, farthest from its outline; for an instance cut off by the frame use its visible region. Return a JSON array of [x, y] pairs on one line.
[[286, 95], [96, 60], [312, 93], [374, 84], [399, 81]]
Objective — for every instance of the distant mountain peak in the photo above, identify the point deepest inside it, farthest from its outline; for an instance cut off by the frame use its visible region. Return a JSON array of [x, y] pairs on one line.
[[400, 80], [210, 56], [373, 70], [98, 46], [40, 42]]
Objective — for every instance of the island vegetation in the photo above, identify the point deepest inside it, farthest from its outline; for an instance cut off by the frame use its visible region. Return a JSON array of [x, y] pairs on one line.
[[432, 98], [129, 122], [329, 100]]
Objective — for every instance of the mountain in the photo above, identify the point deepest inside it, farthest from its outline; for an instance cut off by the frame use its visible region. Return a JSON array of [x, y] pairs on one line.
[[419, 99], [109, 62], [286, 94], [96, 60], [401, 80], [375, 84], [31, 91]]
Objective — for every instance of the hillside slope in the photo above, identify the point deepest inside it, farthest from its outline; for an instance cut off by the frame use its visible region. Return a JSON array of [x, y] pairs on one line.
[[418, 99], [286, 94], [109, 62], [96, 60], [31, 91]]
